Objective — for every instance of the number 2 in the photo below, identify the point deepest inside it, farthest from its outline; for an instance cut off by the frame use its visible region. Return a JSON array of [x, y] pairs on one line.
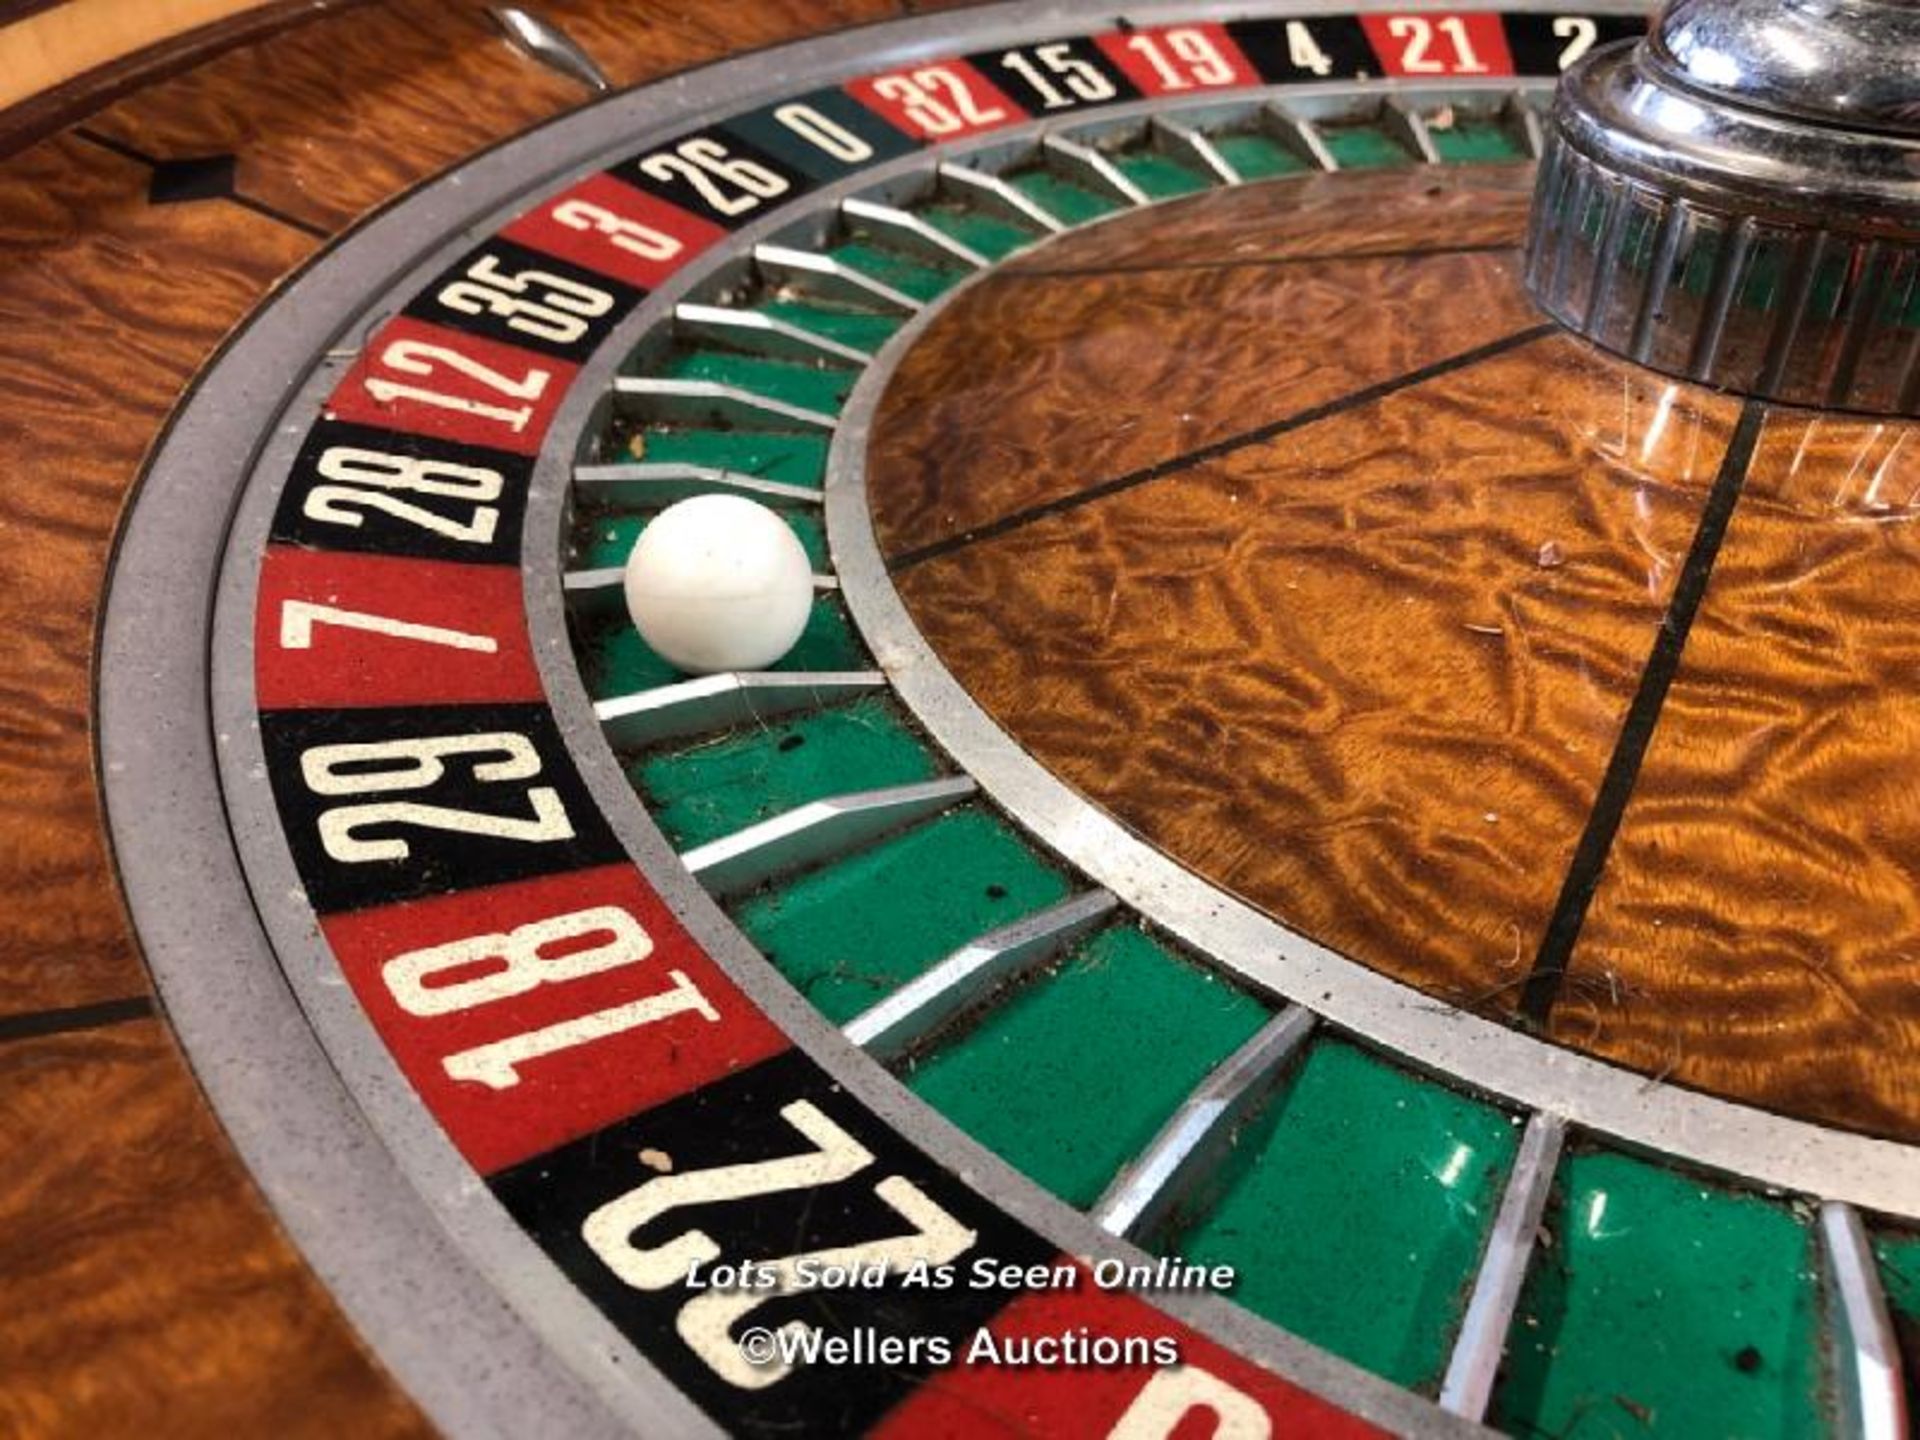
[[1579, 32]]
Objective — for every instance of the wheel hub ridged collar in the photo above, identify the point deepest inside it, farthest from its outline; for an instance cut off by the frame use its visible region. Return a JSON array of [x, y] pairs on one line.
[[1736, 200]]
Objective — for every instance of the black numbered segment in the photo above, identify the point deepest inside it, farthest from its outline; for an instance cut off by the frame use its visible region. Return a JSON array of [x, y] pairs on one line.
[[382, 805], [774, 1164], [717, 176], [355, 487], [823, 135], [1313, 47], [506, 292], [1055, 76], [1549, 42]]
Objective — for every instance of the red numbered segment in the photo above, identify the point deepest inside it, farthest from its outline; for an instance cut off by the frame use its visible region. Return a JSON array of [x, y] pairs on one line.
[[1438, 43], [532, 1013], [1177, 59], [334, 629], [941, 101], [616, 230], [1038, 1372], [426, 380]]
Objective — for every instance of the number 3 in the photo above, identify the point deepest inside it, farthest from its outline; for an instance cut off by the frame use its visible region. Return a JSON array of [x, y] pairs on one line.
[[622, 233]]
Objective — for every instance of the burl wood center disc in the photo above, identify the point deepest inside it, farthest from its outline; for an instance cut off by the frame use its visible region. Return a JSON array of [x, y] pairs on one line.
[[1275, 523]]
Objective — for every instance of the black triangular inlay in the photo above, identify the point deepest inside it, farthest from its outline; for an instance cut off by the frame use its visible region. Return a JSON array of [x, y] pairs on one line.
[[209, 177]]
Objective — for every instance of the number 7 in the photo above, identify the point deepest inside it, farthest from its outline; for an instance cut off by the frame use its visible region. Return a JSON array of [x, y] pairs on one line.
[[298, 617]]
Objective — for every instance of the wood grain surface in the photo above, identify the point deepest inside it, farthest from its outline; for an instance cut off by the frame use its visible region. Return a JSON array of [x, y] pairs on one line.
[[1368, 669], [1111, 350], [147, 1293], [61, 59], [401, 90], [107, 306], [148, 1290], [56, 44], [1757, 931]]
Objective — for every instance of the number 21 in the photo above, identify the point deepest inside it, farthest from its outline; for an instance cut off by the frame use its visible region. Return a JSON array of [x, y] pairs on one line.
[[1418, 32]]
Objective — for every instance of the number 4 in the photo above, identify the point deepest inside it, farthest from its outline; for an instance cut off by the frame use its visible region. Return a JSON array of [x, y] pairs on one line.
[[1303, 52]]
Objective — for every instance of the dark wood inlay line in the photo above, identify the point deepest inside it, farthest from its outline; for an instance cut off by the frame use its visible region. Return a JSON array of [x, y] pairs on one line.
[[1589, 861], [1173, 465], [40, 1023]]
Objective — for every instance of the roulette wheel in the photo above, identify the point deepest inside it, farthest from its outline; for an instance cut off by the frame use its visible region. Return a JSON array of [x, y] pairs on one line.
[[1332, 856]]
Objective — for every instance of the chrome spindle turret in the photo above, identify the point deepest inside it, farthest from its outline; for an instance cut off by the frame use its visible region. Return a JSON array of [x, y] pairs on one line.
[[1736, 200]]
